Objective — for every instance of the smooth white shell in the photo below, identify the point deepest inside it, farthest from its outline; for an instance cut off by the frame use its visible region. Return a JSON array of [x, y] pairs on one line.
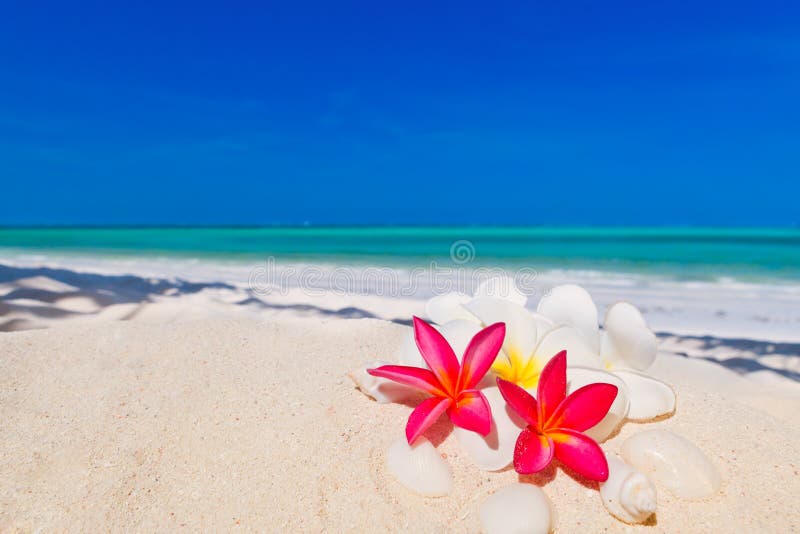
[[649, 398], [577, 377], [572, 305], [381, 389], [502, 287], [448, 307], [627, 340], [673, 462], [628, 494], [519, 509], [496, 450], [419, 467]]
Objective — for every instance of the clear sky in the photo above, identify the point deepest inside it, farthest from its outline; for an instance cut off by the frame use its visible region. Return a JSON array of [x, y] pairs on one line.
[[482, 113]]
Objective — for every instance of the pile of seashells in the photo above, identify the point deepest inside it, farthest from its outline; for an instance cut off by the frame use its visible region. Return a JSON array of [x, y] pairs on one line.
[[619, 354]]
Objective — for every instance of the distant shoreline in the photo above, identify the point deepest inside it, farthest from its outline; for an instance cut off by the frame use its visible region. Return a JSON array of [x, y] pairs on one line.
[[748, 254]]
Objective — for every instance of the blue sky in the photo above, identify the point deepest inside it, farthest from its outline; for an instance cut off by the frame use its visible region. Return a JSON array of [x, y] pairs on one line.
[[426, 113]]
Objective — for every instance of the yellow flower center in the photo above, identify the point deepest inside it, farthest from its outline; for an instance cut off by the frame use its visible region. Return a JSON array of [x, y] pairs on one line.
[[516, 368]]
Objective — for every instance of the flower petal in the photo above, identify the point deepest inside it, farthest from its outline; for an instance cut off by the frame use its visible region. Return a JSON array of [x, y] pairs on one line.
[[501, 287], [448, 307], [520, 323], [569, 338], [584, 408], [520, 401], [411, 376], [471, 412], [627, 340], [552, 386], [532, 452], [408, 353], [383, 390], [543, 325], [424, 415], [437, 354], [459, 333], [494, 451], [580, 453], [650, 398], [480, 355], [572, 305], [581, 376]]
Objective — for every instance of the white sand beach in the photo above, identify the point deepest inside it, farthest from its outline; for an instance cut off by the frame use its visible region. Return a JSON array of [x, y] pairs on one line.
[[133, 402]]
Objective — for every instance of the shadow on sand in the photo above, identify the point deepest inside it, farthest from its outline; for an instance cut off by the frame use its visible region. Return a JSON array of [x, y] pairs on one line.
[[750, 348], [37, 291]]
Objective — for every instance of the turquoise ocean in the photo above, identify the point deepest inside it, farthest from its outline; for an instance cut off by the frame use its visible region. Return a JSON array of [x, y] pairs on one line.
[[748, 254]]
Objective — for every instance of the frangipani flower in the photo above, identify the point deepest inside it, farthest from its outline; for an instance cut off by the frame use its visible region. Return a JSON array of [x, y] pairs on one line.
[[567, 318], [556, 422], [458, 334], [491, 452], [626, 347], [531, 340], [452, 385]]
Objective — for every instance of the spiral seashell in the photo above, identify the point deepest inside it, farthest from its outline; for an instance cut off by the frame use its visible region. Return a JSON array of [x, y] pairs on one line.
[[628, 494]]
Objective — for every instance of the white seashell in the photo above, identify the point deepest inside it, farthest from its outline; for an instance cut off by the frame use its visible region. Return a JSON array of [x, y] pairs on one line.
[[568, 338], [419, 467], [674, 462], [501, 287], [572, 305], [496, 450], [649, 398], [448, 307], [628, 494], [627, 340], [577, 377], [381, 389], [518, 508]]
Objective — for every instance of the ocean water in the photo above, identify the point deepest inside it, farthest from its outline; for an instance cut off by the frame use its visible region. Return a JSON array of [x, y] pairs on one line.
[[748, 254]]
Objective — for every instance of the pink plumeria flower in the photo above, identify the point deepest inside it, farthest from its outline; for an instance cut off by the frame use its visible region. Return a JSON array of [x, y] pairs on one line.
[[452, 386], [557, 421]]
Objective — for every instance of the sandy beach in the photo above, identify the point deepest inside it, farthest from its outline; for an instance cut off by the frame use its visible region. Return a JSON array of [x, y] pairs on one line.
[[254, 424], [137, 403]]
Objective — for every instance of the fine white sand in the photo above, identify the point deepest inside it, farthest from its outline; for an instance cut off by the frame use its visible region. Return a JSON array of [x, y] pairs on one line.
[[218, 424], [139, 402]]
